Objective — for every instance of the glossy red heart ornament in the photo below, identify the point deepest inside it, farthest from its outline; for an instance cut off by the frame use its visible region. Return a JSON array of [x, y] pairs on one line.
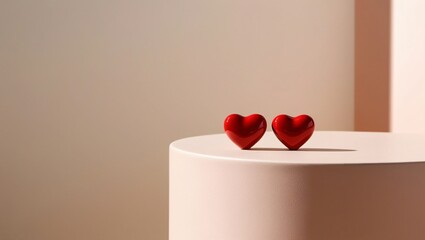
[[245, 131], [293, 132]]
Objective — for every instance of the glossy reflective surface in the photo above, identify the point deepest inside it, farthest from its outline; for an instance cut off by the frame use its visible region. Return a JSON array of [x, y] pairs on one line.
[[245, 131], [293, 132]]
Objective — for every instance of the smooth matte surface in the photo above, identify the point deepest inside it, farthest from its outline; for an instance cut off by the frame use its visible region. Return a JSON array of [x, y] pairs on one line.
[[322, 148], [407, 66], [341, 186]]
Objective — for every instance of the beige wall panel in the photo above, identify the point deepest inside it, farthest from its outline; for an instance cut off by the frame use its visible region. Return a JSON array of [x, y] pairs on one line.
[[92, 93], [372, 65]]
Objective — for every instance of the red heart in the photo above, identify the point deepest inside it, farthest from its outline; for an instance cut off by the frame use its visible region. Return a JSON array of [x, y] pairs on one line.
[[245, 131], [293, 132]]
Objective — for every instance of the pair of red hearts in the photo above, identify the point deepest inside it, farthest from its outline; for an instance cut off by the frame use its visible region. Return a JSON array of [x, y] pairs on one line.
[[293, 132]]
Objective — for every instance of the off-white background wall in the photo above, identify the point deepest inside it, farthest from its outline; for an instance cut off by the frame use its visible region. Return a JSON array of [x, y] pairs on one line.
[[92, 93], [408, 61]]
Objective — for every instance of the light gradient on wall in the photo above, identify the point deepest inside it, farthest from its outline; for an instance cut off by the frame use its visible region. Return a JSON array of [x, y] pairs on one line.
[[92, 93]]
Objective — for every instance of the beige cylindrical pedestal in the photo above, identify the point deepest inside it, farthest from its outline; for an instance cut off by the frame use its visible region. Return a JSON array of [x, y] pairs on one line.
[[339, 186]]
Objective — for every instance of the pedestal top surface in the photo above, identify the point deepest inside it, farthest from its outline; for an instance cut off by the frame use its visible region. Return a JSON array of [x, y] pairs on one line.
[[324, 147]]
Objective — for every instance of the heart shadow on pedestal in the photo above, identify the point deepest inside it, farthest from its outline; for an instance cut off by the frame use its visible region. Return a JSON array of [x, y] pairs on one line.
[[304, 149]]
